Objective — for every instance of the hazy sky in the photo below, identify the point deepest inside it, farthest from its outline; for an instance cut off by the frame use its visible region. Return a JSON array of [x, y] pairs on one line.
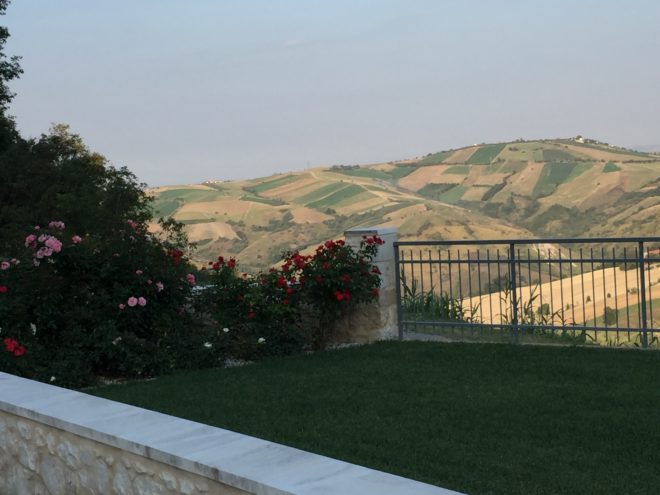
[[184, 91]]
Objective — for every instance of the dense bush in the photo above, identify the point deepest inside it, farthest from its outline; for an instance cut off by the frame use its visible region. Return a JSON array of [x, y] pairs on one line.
[[294, 306], [75, 306]]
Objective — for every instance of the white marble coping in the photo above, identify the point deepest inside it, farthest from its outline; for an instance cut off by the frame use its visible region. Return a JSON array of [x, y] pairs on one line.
[[379, 231], [241, 461]]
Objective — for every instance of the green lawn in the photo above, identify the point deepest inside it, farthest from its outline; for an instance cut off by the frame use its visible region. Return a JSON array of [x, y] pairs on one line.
[[477, 418]]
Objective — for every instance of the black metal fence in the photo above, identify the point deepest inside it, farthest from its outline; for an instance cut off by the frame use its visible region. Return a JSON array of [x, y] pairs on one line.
[[602, 291]]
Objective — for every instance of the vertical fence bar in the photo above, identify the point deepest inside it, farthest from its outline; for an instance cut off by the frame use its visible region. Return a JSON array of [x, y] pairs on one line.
[[616, 293], [514, 295], [642, 292], [570, 277], [397, 279], [625, 272]]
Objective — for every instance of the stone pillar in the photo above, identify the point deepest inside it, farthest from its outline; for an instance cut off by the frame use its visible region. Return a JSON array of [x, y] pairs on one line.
[[378, 321]]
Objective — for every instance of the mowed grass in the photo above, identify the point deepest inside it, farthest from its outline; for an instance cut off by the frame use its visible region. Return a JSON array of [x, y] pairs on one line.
[[485, 154], [477, 418]]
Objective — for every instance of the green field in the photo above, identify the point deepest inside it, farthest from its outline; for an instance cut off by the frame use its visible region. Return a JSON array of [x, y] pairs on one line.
[[370, 173], [611, 167], [485, 154], [165, 208], [435, 191], [458, 170], [454, 195], [435, 158], [260, 199], [512, 167], [401, 171], [189, 195], [578, 170], [320, 193], [271, 184], [334, 199], [557, 155], [552, 175], [477, 418]]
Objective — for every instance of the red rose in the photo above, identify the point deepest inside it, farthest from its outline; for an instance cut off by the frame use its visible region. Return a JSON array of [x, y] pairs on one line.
[[375, 292], [19, 351], [375, 270], [339, 296], [281, 282], [345, 278], [231, 263], [285, 302], [3, 289], [10, 344]]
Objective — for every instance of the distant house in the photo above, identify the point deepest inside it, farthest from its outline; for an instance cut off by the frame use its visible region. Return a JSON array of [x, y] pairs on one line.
[[579, 139]]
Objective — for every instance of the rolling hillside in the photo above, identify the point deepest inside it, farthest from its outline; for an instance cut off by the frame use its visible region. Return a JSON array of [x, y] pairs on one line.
[[520, 189]]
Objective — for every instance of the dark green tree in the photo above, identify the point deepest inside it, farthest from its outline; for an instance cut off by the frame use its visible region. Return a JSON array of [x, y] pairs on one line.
[[9, 70]]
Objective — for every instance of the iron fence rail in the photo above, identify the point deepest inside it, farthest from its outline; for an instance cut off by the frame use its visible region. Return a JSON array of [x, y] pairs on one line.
[[579, 290]]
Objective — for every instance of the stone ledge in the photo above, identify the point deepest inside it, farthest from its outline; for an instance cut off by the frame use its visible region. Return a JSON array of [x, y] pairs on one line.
[[240, 461]]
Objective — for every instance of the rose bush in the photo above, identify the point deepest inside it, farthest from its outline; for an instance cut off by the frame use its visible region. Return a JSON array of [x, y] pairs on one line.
[[295, 305], [80, 306]]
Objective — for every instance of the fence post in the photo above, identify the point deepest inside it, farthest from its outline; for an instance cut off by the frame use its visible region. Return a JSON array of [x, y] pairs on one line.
[[642, 292], [514, 294], [378, 321], [398, 272]]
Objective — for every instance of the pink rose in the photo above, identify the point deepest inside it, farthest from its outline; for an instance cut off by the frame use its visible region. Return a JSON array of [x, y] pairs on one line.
[[54, 244], [138, 272], [76, 239], [190, 278], [149, 282], [31, 241], [43, 237], [142, 301], [132, 301], [122, 306], [5, 265], [160, 286], [54, 224]]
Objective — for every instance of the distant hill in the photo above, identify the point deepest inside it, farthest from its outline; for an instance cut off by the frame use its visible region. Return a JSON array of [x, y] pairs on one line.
[[557, 188]]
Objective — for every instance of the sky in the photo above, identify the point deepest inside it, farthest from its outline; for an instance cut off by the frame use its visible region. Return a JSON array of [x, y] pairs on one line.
[[185, 91]]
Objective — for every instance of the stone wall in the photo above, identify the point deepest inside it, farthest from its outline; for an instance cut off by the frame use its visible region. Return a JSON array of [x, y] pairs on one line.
[[36, 459], [55, 441]]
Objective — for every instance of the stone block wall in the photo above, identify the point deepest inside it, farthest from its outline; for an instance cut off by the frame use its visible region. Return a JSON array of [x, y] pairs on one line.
[[55, 441], [36, 459]]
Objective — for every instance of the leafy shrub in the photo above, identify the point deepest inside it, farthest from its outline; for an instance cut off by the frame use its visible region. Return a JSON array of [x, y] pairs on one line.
[[296, 305], [84, 306]]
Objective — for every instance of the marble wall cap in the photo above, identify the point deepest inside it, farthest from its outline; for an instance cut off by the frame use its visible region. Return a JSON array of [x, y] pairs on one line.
[[371, 231], [244, 462]]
